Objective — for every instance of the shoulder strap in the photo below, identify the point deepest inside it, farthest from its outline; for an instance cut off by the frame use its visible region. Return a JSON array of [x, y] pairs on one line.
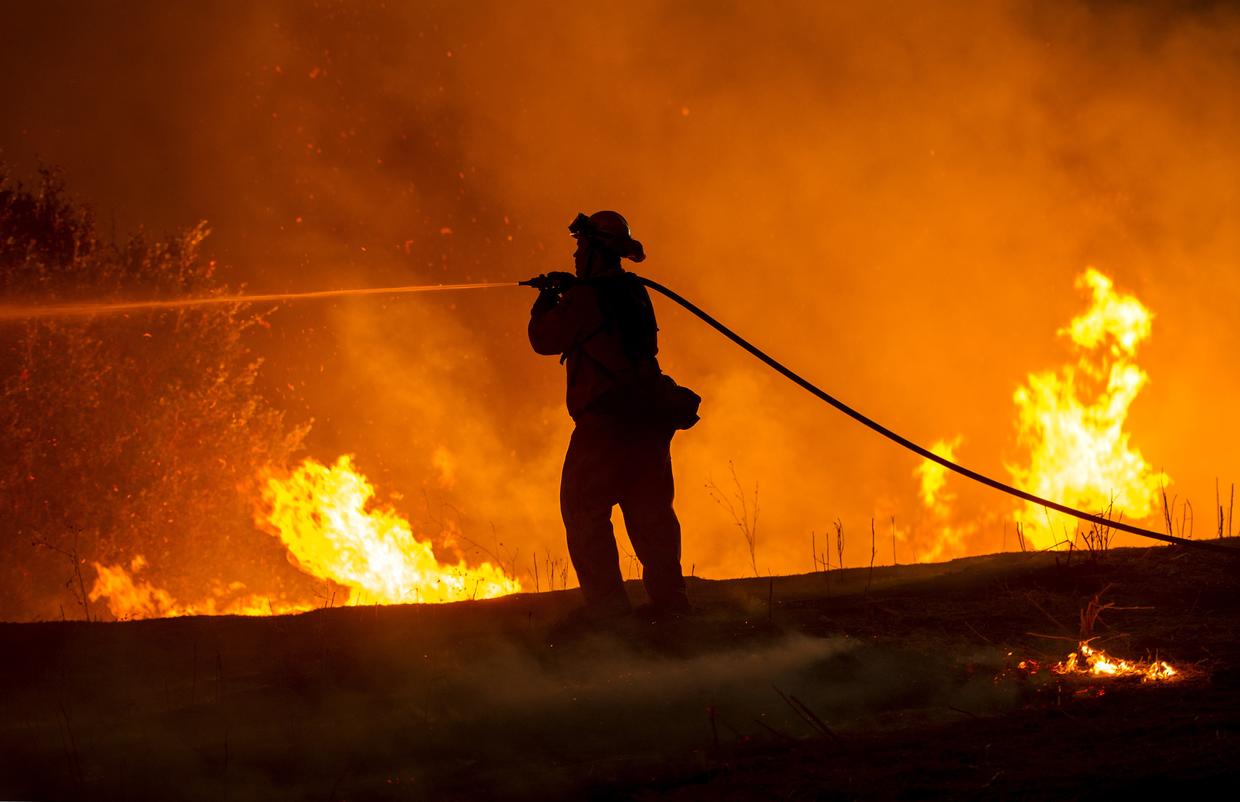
[[580, 345]]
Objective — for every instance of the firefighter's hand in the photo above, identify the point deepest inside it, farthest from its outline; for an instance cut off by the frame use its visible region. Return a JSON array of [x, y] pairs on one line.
[[560, 280], [555, 281]]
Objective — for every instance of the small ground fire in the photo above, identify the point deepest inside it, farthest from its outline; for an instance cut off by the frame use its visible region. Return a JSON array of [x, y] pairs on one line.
[[1097, 663]]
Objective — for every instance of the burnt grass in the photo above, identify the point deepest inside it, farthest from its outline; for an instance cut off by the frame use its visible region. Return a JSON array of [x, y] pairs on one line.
[[901, 683]]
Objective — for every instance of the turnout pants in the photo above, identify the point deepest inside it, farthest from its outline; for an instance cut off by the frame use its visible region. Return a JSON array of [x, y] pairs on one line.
[[613, 462]]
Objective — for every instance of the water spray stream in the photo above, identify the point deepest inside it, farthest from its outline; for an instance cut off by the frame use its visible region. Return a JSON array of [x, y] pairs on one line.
[[33, 311]]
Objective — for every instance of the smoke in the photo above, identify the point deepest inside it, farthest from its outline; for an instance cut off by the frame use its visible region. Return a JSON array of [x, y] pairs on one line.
[[893, 199], [657, 705], [644, 703], [468, 705]]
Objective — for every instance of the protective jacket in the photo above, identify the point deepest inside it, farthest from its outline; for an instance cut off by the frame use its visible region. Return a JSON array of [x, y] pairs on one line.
[[605, 329], [599, 353]]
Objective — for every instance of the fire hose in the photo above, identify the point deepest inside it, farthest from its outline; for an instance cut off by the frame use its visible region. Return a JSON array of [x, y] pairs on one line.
[[545, 282], [560, 281], [814, 390]]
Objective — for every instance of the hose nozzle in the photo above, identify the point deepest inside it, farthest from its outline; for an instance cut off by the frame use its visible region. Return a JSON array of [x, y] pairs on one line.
[[555, 281]]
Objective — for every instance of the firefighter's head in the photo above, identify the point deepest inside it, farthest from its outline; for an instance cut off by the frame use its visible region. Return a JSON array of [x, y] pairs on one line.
[[603, 239]]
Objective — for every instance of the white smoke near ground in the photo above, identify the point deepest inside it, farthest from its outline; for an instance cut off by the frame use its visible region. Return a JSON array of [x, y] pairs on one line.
[[487, 701]]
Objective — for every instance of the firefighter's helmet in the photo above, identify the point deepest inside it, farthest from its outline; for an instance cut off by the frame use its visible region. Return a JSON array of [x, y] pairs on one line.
[[609, 230]]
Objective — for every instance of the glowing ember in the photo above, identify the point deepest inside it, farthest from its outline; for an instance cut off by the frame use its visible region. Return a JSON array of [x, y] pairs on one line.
[[1098, 663], [131, 598], [321, 515], [1073, 420]]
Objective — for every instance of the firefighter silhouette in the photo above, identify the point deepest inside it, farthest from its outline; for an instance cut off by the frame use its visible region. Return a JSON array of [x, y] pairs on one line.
[[602, 324]]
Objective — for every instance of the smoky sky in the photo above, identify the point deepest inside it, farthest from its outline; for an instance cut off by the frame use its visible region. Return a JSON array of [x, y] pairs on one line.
[[894, 198]]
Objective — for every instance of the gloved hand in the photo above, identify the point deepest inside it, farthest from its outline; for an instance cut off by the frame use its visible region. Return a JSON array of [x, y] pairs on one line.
[[549, 286], [556, 281]]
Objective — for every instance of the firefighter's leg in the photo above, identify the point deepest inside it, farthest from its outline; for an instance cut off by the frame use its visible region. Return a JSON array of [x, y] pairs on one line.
[[587, 494], [652, 524]]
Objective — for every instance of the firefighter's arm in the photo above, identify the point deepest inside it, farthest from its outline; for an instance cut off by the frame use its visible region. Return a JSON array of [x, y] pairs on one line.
[[558, 321]]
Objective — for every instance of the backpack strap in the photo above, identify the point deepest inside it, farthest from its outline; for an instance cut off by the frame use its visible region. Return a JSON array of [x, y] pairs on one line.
[[580, 345]]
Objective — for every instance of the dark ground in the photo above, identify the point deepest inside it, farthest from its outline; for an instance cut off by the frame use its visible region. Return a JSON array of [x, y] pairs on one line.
[[831, 692]]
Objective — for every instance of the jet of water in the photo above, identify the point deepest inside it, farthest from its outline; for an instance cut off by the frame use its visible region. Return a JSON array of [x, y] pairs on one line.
[[31, 311]]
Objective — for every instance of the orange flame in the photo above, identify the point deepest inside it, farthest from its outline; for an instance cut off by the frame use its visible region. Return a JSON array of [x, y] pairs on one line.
[[950, 535], [130, 598], [933, 476], [321, 515], [1073, 420], [1098, 663]]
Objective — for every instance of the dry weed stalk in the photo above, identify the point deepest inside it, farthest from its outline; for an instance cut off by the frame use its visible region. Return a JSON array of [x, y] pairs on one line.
[[839, 541], [1186, 518], [873, 551], [1224, 518], [75, 560], [737, 506], [1099, 536], [1092, 613], [807, 715], [822, 559], [552, 566], [328, 595], [631, 563]]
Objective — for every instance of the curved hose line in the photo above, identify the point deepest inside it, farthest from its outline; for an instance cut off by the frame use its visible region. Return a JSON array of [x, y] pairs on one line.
[[806, 385]]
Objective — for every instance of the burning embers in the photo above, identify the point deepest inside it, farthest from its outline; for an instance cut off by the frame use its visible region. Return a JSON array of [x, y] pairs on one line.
[[1090, 663], [1097, 663], [326, 518]]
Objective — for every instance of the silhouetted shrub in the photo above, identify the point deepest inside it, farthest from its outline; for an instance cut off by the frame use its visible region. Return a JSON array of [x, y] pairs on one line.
[[142, 432]]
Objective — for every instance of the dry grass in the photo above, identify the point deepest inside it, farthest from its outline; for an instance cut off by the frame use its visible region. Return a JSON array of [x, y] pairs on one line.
[[743, 513], [470, 699]]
